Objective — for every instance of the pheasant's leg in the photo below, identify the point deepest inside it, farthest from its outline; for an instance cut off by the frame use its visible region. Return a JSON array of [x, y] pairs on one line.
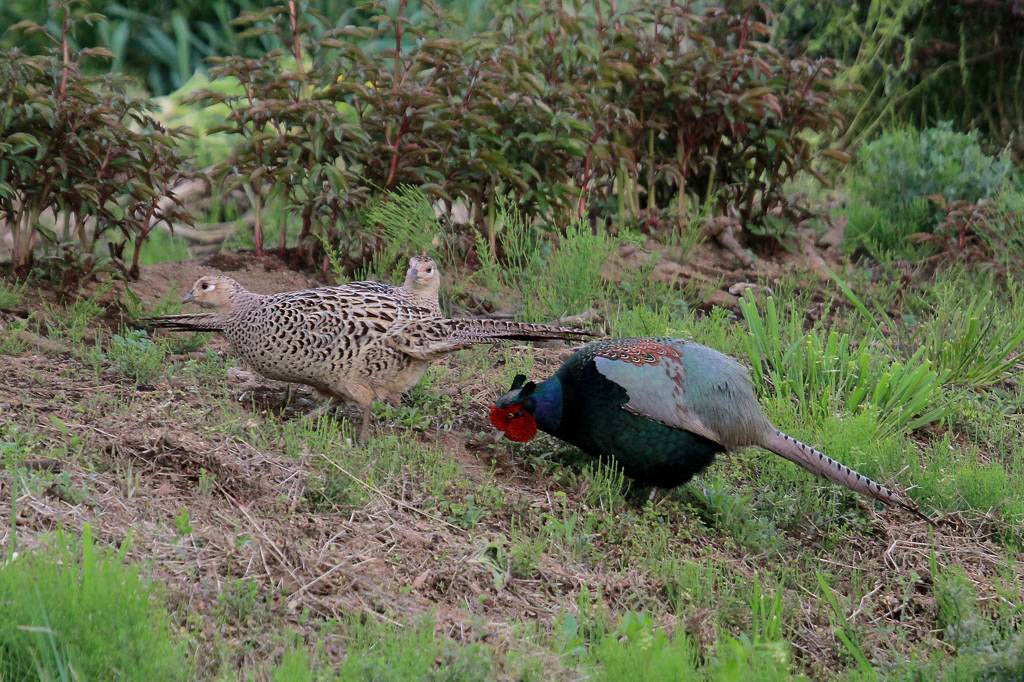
[[364, 428], [363, 396], [289, 393]]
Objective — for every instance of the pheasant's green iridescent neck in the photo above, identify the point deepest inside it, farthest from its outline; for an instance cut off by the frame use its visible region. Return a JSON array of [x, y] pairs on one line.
[[548, 401]]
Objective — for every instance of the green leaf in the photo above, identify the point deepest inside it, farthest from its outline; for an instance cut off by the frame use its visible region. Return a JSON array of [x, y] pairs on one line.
[[22, 141]]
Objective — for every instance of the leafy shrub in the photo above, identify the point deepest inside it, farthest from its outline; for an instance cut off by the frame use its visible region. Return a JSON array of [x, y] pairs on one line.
[[296, 146], [82, 148], [898, 172], [917, 62], [75, 611], [728, 117], [903, 164], [505, 112], [996, 224], [166, 43], [556, 105], [204, 145]]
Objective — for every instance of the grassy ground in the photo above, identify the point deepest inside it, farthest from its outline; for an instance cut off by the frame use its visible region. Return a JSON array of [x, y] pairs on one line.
[[282, 551]]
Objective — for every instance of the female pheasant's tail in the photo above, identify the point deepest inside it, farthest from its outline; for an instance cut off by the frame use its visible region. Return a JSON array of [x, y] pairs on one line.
[[482, 329], [191, 322], [821, 464], [433, 337]]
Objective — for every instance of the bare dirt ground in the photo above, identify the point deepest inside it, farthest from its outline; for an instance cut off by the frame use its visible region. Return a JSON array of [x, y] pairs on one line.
[[131, 461], [266, 275]]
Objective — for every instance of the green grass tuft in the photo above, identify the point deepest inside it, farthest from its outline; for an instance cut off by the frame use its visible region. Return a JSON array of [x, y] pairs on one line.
[[134, 355], [76, 611], [825, 372], [11, 294]]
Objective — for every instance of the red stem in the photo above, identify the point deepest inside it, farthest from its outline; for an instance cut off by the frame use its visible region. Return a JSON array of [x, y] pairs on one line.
[[588, 169], [807, 85], [144, 231], [293, 12], [65, 52], [396, 147], [744, 32], [398, 44]]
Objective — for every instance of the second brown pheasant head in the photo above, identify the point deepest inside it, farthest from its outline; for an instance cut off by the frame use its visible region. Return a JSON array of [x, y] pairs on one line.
[[213, 291], [423, 277]]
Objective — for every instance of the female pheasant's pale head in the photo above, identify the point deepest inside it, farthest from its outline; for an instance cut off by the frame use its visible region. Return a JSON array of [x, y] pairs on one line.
[[213, 291], [423, 277]]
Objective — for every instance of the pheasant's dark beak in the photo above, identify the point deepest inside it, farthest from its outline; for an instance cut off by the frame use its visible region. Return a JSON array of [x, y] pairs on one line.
[[187, 298]]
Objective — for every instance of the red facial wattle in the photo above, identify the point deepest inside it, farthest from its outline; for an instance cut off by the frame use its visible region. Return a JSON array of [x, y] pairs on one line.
[[522, 429], [516, 423], [499, 418]]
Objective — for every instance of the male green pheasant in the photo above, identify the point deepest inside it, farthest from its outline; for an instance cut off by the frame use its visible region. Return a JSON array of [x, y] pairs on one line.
[[662, 408], [351, 343]]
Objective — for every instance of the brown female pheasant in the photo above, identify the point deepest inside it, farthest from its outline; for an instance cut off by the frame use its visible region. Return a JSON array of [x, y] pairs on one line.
[[353, 343]]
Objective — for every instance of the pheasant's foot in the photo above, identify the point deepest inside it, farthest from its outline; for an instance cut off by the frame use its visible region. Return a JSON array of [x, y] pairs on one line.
[[658, 495]]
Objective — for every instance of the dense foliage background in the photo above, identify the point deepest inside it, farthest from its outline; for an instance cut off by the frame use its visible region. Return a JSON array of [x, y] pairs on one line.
[[645, 115]]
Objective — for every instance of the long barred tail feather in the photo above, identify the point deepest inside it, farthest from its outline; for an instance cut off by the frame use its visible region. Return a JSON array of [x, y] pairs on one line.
[[484, 328], [190, 322], [823, 465], [430, 338]]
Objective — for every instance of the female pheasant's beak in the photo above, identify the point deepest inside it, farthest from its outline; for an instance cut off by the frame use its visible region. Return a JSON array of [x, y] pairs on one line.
[[516, 423], [188, 297]]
